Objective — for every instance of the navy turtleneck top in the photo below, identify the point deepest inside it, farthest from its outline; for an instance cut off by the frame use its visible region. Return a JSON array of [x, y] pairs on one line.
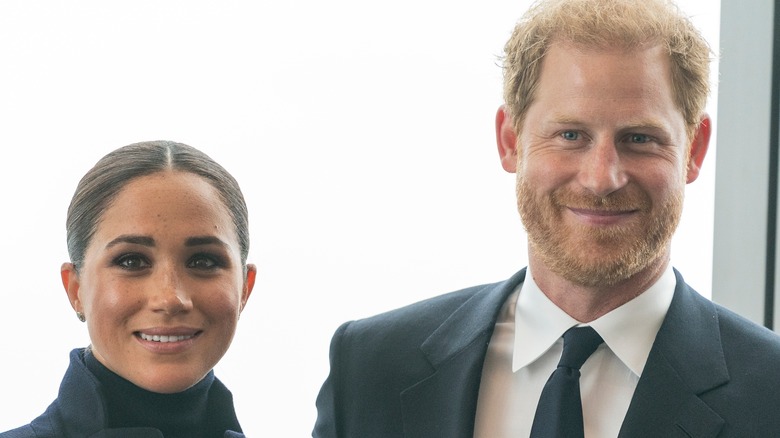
[[193, 413]]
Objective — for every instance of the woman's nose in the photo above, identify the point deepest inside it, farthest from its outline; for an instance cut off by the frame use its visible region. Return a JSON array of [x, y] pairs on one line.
[[168, 293]]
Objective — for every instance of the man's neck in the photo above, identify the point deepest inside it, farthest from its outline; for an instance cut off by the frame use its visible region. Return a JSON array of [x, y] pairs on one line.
[[587, 303]]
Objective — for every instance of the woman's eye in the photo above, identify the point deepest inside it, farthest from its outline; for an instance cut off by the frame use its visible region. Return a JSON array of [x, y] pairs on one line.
[[131, 262], [203, 262], [570, 135]]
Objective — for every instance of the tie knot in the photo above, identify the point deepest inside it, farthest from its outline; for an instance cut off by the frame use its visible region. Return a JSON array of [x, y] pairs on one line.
[[578, 344]]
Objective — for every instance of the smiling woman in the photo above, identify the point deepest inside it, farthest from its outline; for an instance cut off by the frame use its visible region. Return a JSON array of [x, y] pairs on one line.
[[158, 240]]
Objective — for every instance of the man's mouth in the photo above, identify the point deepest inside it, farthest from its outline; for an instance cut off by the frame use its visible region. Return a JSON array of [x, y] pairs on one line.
[[603, 212]]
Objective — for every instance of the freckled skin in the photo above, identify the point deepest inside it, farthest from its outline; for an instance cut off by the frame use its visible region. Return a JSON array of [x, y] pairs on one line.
[[126, 287]]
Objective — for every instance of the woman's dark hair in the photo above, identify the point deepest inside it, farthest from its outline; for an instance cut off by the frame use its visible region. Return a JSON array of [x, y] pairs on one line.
[[100, 186]]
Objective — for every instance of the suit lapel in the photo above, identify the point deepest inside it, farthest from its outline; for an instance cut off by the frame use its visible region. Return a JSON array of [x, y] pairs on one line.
[[443, 403], [686, 360]]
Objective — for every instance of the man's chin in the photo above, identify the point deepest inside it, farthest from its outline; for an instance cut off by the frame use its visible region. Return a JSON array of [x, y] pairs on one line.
[[606, 263], [598, 277]]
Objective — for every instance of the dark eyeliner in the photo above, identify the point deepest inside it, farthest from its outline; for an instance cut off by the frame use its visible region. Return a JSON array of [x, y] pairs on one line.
[[218, 261], [120, 261]]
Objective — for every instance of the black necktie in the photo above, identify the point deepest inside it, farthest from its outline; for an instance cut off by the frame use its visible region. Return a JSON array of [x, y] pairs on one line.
[[559, 412]]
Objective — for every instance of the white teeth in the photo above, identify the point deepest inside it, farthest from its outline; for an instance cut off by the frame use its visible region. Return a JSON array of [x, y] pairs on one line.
[[158, 338]]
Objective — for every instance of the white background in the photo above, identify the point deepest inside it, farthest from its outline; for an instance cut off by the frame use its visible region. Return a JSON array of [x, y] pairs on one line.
[[361, 133]]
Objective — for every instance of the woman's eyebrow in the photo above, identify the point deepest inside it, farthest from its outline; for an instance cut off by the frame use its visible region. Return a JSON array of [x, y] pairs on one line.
[[131, 238], [204, 240]]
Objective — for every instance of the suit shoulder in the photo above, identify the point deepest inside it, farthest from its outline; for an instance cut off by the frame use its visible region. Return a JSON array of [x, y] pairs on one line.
[[407, 327], [737, 330], [431, 310], [20, 432]]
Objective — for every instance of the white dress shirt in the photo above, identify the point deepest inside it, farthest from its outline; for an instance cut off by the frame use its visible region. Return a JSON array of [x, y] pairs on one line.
[[526, 346]]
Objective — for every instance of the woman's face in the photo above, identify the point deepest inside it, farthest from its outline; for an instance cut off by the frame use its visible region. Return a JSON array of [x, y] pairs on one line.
[[162, 283]]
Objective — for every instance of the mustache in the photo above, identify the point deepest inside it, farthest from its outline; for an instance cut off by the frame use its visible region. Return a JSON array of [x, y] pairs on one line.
[[621, 200]]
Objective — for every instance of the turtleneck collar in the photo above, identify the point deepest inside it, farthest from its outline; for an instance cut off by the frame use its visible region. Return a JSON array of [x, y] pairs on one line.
[[189, 413]]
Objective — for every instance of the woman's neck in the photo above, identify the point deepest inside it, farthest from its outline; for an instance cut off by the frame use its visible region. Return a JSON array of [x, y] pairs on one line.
[[182, 414]]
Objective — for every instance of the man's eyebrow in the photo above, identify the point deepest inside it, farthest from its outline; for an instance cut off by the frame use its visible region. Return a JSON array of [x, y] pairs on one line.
[[645, 124], [204, 240], [133, 239], [565, 120], [631, 124]]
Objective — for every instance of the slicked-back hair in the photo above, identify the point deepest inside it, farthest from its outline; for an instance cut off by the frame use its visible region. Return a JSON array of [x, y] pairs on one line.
[[101, 185], [607, 24]]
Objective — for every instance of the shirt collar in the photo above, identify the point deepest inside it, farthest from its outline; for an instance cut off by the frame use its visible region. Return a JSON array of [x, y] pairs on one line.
[[629, 331]]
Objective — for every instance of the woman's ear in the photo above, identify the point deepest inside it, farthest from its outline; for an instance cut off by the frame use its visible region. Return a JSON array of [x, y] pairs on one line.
[[70, 281], [249, 284], [506, 139]]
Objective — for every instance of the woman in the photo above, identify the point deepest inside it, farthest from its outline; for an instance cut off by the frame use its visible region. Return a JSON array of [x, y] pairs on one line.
[[158, 240]]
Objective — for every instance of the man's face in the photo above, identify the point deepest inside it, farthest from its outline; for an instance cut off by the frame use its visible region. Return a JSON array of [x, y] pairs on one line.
[[602, 163]]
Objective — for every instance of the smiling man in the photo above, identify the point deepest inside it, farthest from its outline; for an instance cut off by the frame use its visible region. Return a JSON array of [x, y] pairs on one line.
[[599, 336]]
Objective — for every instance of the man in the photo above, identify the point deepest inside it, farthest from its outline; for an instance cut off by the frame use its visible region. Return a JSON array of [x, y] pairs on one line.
[[604, 125]]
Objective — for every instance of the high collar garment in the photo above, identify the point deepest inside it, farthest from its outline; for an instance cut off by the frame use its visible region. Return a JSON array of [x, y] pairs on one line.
[[81, 409]]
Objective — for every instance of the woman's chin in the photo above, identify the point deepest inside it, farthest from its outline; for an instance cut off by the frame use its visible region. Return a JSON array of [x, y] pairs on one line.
[[167, 382]]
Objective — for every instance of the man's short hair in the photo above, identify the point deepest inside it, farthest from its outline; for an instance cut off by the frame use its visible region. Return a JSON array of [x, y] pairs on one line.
[[607, 24]]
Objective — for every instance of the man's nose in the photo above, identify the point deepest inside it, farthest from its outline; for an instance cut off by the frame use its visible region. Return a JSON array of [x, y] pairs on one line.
[[601, 170]]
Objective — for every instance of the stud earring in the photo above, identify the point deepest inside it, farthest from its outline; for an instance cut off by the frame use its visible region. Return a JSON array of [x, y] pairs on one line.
[[80, 316]]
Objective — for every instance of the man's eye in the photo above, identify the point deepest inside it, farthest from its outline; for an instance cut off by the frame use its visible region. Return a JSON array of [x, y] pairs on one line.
[[639, 138], [570, 135], [131, 262]]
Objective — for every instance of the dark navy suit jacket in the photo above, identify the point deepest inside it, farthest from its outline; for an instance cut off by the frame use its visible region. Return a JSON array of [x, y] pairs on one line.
[[415, 372], [79, 410]]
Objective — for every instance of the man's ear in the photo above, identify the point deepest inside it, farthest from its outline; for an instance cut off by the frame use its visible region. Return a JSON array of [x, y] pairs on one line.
[[506, 139], [70, 281], [249, 284], [699, 144]]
